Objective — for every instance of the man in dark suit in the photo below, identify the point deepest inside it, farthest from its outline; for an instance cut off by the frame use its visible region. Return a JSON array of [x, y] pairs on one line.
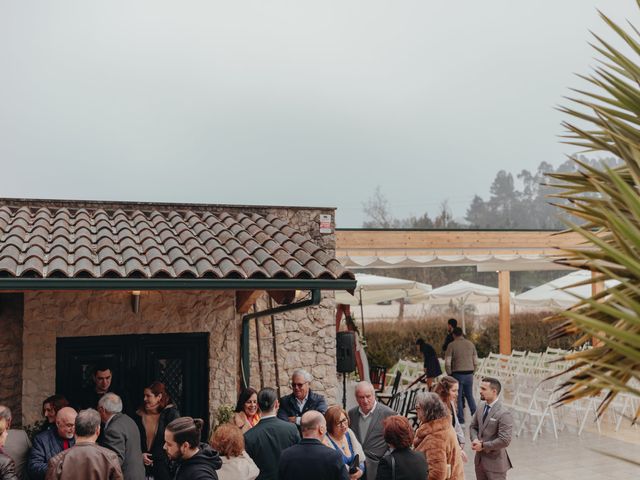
[[265, 442], [311, 459], [121, 435], [302, 399], [490, 431], [366, 422]]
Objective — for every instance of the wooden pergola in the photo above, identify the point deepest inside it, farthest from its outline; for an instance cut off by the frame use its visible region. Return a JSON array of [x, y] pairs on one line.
[[502, 251]]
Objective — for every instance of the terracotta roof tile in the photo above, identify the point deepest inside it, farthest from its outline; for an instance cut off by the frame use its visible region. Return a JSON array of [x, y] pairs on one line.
[[43, 241]]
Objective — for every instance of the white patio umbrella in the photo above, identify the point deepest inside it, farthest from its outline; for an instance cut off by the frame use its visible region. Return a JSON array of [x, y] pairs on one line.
[[372, 289], [556, 294], [463, 293]]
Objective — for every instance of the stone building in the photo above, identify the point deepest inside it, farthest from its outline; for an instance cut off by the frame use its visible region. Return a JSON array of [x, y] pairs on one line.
[[202, 297]]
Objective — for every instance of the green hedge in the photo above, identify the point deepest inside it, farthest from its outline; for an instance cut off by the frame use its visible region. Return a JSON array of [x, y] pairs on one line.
[[387, 342]]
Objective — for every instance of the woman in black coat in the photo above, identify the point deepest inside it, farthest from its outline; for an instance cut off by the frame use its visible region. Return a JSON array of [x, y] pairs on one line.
[[152, 418], [403, 463], [431, 362]]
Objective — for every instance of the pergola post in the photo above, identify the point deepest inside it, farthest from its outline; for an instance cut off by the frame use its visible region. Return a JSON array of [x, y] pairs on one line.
[[504, 312]]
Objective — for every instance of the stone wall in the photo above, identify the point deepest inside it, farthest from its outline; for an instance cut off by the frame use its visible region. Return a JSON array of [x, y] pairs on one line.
[[11, 305]]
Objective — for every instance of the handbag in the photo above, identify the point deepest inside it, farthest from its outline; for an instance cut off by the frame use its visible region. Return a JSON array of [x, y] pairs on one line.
[[354, 464]]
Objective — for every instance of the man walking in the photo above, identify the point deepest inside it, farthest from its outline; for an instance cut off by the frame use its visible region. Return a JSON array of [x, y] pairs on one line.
[[311, 459], [451, 324], [265, 442], [302, 399], [490, 431], [121, 435], [366, 422], [85, 460], [461, 360]]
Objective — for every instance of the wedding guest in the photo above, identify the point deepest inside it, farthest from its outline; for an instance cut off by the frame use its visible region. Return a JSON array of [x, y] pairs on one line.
[[152, 417], [236, 463], [447, 388], [7, 467], [342, 439], [247, 414], [402, 463]]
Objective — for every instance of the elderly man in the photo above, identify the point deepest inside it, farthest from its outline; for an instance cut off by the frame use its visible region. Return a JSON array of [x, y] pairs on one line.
[[311, 459], [302, 399], [17, 445], [86, 460], [366, 422], [49, 443], [266, 441], [490, 431], [121, 435]]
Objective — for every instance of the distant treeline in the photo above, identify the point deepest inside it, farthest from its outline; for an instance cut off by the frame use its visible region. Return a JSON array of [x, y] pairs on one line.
[[507, 207]]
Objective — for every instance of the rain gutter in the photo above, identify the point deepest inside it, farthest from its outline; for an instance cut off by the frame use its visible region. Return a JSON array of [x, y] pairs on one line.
[[244, 336]]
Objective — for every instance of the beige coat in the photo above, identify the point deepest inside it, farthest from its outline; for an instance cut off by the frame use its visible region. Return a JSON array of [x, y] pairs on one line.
[[85, 461], [240, 420], [238, 468], [438, 441]]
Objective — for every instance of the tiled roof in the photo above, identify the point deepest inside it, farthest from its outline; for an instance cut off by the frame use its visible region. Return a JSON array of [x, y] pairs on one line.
[[61, 242]]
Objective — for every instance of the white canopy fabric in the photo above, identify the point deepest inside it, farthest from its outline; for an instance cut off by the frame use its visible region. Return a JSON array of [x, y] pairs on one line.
[[462, 293], [556, 294], [372, 289]]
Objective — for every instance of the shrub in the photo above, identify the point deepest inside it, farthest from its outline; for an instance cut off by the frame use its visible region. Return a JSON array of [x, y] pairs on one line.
[[390, 341]]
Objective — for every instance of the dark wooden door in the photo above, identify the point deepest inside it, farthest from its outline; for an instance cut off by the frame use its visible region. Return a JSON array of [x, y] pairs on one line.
[[180, 361]]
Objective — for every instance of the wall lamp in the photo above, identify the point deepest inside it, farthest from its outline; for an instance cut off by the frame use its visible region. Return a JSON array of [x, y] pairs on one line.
[[135, 301]]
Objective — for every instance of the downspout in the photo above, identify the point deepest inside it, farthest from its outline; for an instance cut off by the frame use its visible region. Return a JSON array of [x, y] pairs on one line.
[[244, 336]]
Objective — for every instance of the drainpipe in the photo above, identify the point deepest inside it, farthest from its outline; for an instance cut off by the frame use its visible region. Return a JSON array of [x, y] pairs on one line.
[[244, 337]]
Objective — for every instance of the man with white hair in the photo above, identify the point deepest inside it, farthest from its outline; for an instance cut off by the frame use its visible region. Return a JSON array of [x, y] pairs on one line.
[[49, 443], [311, 459], [121, 435], [366, 422], [17, 445], [302, 399]]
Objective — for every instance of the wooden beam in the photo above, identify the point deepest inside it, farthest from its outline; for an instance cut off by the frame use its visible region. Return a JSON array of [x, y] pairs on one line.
[[246, 298], [504, 314], [282, 297]]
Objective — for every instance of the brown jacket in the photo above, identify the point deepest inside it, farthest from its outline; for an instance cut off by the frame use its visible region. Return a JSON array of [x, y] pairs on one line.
[[85, 461], [438, 441], [461, 356]]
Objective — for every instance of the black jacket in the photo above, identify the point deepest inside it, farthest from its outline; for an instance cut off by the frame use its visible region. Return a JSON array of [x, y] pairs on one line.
[[312, 460], [160, 468], [202, 466], [122, 436], [289, 405], [447, 340], [265, 442], [409, 465]]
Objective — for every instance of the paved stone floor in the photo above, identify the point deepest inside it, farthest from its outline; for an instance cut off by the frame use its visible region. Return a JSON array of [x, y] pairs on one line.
[[572, 457]]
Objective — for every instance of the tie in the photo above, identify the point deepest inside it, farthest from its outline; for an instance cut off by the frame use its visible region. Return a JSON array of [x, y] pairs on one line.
[[485, 413]]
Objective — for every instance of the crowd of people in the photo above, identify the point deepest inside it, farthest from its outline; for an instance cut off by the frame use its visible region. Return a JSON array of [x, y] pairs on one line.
[[269, 438]]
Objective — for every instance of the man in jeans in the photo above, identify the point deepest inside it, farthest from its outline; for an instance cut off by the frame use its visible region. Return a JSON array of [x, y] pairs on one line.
[[461, 360]]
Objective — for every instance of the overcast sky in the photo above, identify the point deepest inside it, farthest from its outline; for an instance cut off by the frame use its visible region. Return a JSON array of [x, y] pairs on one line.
[[286, 103]]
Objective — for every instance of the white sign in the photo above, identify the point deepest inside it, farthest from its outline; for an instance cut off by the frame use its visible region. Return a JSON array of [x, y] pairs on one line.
[[325, 224]]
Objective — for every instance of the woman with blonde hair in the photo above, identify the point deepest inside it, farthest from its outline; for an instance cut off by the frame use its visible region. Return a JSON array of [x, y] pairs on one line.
[[7, 466], [437, 439], [236, 463], [447, 389]]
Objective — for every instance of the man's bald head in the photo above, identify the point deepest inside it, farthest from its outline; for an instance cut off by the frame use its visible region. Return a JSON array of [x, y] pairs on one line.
[[313, 425], [66, 422]]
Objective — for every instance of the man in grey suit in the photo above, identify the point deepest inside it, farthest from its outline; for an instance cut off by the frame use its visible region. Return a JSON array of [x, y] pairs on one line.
[[17, 445], [366, 423], [490, 431], [121, 435]]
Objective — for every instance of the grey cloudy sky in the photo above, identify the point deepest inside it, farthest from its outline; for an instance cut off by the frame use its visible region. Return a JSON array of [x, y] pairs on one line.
[[286, 103]]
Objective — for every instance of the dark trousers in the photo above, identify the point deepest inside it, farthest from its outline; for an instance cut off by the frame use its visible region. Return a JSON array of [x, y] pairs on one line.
[[465, 381]]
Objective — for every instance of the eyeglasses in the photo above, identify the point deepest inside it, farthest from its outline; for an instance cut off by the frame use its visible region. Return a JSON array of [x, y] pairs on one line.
[[344, 421], [298, 385]]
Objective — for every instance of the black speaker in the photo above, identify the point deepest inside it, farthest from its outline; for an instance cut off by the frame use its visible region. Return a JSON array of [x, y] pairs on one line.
[[346, 352]]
